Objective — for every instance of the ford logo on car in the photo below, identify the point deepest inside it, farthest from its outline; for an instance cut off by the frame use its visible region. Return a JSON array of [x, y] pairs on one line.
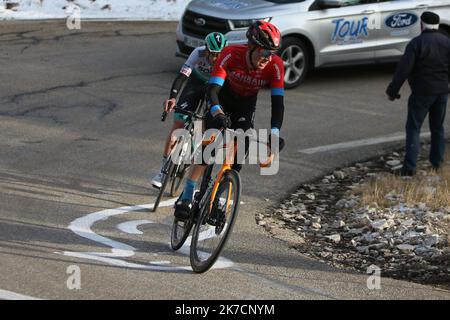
[[200, 22], [401, 20]]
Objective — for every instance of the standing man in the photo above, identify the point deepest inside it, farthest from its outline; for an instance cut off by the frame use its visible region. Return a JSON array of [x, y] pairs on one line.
[[426, 65]]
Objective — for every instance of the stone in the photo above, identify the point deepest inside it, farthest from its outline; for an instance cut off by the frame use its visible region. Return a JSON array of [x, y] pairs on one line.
[[316, 226], [363, 220], [316, 219], [408, 223], [431, 240], [381, 224], [336, 238], [357, 231], [422, 206], [320, 210], [341, 203], [311, 196], [351, 204], [411, 234], [363, 249], [379, 246], [288, 216], [368, 237], [406, 248], [338, 224], [393, 163], [339, 175], [423, 251]]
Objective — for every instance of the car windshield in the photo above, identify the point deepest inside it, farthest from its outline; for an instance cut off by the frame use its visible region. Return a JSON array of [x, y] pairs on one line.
[[285, 1]]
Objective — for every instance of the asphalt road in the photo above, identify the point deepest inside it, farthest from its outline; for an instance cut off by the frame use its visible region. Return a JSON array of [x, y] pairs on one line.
[[81, 135]]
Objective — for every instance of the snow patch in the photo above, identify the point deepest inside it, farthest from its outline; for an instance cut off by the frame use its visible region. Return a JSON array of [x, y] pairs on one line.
[[170, 10]]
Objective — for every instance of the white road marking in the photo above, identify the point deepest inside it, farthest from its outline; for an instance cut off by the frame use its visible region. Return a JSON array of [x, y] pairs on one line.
[[82, 227], [359, 143], [130, 227], [9, 295]]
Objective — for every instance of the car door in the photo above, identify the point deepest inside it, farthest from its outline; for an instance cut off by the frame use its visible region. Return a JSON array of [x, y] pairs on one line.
[[400, 22], [346, 33]]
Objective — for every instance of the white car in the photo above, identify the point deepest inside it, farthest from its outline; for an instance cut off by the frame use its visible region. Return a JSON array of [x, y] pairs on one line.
[[316, 33]]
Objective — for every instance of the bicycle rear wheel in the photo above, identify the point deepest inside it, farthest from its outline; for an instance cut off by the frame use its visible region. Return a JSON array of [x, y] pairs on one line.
[[168, 175], [214, 226], [178, 178]]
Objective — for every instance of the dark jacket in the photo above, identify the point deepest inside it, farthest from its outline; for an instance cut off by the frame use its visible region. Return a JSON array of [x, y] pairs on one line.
[[426, 65]]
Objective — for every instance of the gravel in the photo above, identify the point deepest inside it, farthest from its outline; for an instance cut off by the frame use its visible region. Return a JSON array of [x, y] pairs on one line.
[[406, 240]]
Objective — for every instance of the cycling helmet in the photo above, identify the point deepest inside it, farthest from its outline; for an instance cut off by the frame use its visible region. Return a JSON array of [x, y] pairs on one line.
[[265, 35], [215, 41]]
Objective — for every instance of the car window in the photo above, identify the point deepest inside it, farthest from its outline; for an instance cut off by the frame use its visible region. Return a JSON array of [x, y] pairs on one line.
[[343, 3], [358, 2]]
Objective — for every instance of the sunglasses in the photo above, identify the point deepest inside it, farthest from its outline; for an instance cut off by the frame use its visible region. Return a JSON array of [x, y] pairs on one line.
[[266, 53], [214, 54]]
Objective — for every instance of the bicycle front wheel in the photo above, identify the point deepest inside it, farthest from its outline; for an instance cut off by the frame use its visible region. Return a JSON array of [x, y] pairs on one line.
[[167, 177], [180, 232], [214, 226]]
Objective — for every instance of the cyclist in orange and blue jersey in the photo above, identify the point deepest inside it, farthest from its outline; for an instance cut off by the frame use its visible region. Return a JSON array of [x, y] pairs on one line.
[[238, 75]]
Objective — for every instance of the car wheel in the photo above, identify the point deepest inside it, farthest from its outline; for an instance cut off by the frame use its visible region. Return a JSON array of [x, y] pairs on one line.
[[296, 60]]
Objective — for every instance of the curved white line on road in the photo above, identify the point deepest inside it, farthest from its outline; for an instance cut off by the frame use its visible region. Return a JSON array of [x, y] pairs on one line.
[[130, 227], [9, 295], [82, 227]]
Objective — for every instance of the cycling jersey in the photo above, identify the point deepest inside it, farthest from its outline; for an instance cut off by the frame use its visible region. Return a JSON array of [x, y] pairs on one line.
[[198, 64], [232, 65], [241, 80]]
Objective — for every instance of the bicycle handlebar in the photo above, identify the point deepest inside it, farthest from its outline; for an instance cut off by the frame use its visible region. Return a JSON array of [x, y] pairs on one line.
[[190, 114], [271, 154]]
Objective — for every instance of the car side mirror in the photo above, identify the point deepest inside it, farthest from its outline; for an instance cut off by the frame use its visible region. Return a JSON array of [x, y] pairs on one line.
[[330, 4]]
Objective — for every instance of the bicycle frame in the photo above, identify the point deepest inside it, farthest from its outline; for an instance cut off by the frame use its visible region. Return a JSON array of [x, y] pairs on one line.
[[231, 151]]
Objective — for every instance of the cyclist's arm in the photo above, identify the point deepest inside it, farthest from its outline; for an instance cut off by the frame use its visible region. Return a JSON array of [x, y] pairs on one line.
[[212, 96], [185, 72], [277, 96], [277, 113], [218, 76], [177, 84]]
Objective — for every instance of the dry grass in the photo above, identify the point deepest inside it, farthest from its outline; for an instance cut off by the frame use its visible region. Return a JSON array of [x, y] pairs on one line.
[[433, 189]]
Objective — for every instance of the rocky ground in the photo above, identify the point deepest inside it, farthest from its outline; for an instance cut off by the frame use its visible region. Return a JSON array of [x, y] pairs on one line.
[[326, 219]]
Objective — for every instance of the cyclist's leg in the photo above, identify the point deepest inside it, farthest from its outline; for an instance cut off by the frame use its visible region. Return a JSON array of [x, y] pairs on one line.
[[188, 100], [183, 205], [242, 117]]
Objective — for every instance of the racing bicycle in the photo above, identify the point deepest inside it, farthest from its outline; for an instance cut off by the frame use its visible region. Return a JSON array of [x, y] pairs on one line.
[[177, 164], [214, 211]]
